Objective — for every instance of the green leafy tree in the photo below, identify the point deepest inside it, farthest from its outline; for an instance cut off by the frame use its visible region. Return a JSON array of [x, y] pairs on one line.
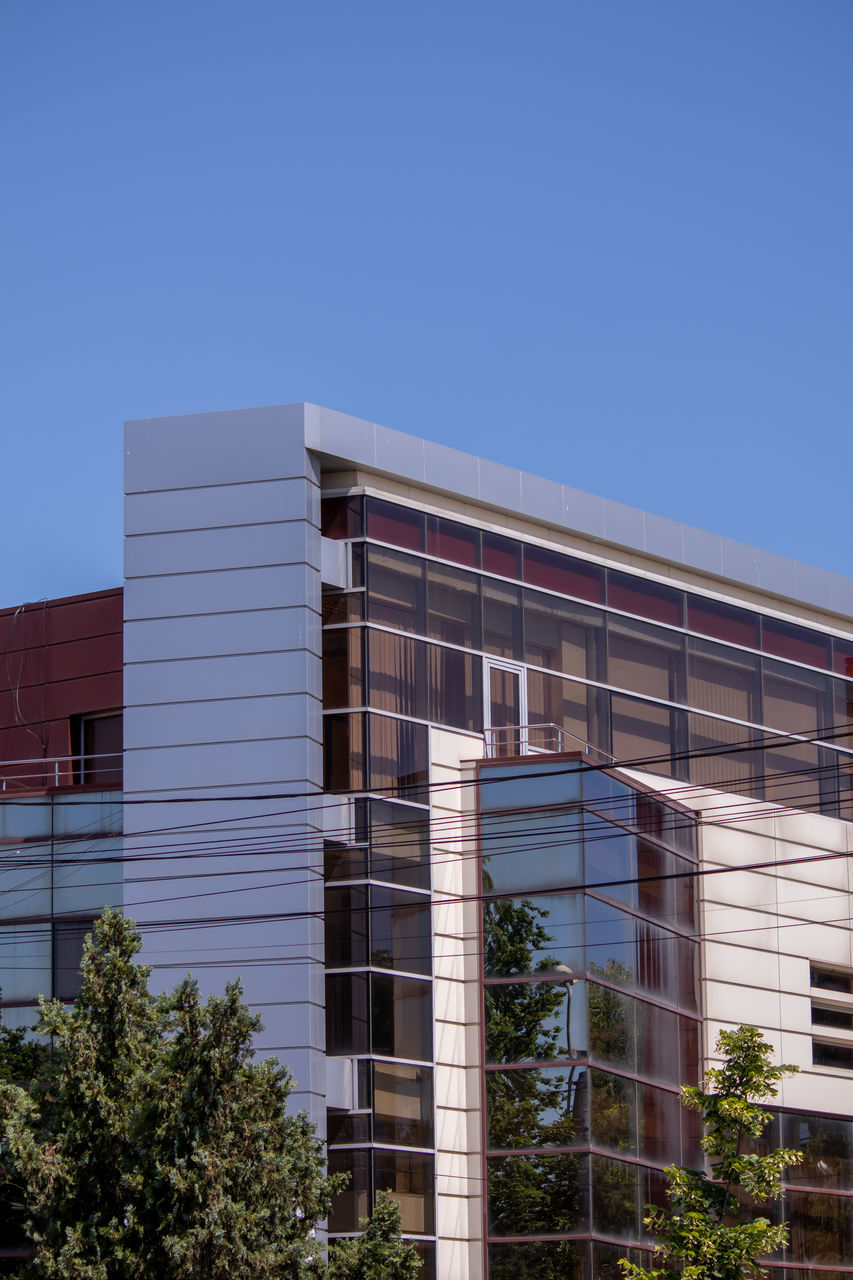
[[710, 1227], [378, 1253], [160, 1150], [27, 1063]]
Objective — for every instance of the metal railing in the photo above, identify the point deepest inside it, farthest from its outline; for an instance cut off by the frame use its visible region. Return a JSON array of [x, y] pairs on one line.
[[536, 739], [39, 772]]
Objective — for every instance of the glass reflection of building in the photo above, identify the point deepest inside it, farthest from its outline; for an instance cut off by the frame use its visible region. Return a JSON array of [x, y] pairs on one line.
[[590, 1011]]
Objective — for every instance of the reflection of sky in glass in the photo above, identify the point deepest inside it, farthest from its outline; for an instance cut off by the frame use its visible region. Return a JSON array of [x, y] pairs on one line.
[[537, 849], [562, 1087], [510, 785], [505, 995], [561, 916]]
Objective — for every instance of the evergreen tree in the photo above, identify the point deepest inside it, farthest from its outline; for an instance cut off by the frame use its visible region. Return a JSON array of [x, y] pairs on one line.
[[378, 1253], [710, 1227], [160, 1150]]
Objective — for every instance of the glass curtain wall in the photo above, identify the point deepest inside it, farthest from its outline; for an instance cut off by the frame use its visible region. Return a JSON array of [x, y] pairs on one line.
[[693, 687]]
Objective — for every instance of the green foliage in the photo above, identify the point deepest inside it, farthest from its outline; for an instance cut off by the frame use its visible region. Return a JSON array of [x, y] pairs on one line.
[[159, 1150], [707, 1229], [378, 1253]]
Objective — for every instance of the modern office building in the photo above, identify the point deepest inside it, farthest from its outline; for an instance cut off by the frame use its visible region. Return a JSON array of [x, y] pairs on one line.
[[501, 798]]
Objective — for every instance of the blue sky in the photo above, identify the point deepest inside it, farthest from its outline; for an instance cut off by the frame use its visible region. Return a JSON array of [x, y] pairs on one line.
[[608, 242]]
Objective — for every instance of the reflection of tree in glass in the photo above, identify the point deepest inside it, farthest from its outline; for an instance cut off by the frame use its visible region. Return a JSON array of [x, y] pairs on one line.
[[535, 1195], [611, 1033], [615, 1198], [519, 1017], [551, 1260], [531, 1108], [613, 1123]]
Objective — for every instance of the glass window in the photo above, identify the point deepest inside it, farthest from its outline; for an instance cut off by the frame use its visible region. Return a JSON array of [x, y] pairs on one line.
[[842, 660], [346, 1129], [657, 1034], [832, 1055], [345, 919], [611, 860], [613, 1110], [343, 668], [343, 863], [68, 939], [795, 702], [827, 1146], [649, 599], [544, 1259], [831, 980], [659, 1125], [645, 659], [453, 606], [610, 943], [353, 1202], [524, 935], [643, 731], [688, 1040], [399, 844], [411, 1181], [722, 621], [529, 783], [402, 1104], [402, 1017], [536, 1195], [401, 526], [536, 1107], [726, 682], [98, 748], [501, 555], [821, 1227], [502, 618], [455, 688], [341, 517], [657, 961], [450, 540], [561, 635], [826, 1016], [342, 606], [346, 1013], [532, 849], [612, 1027], [398, 756], [400, 931], [615, 1198], [343, 750], [397, 673], [551, 700], [535, 1021], [396, 590], [797, 643], [740, 770], [565, 574]]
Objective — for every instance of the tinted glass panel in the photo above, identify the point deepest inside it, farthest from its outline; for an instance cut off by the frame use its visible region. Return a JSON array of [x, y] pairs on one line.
[[453, 606], [396, 590], [827, 1146], [68, 939], [610, 943], [544, 1260], [821, 1227], [342, 863], [615, 1198], [455, 688], [831, 980], [614, 1112], [341, 517], [101, 747], [397, 674], [402, 1017], [452, 541], [343, 1129], [612, 1027], [411, 1181], [532, 783], [562, 635], [342, 606], [346, 1013], [797, 643], [402, 1104], [533, 849], [536, 1107], [553, 701], [398, 756], [353, 1203], [659, 1125], [399, 844], [611, 860], [645, 659], [823, 1016], [722, 621], [530, 1021], [523, 935], [400, 931], [556, 572], [388, 522], [536, 1195], [832, 1055], [648, 599], [502, 619], [346, 927], [641, 732], [501, 555], [843, 657], [343, 747], [712, 765], [726, 682], [343, 669]]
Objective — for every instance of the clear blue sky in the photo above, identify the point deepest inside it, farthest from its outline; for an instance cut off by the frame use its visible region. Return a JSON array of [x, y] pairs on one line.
[[608, 242]]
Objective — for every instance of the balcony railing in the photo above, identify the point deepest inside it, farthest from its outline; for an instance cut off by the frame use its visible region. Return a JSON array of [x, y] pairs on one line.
[[104, 770], [537, 739]]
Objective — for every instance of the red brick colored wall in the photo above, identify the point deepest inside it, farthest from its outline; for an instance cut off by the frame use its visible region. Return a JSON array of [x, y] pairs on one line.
[[58, 659]]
